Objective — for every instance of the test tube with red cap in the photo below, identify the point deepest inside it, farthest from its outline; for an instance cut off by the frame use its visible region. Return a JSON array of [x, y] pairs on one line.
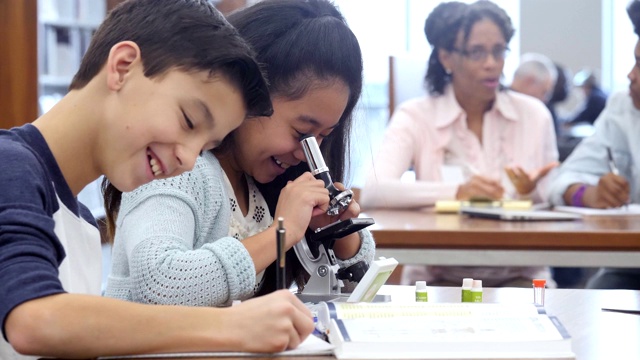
[[538, 291]]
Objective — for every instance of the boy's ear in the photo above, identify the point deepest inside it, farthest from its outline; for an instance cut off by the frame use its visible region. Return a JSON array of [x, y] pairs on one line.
[[124, 58]]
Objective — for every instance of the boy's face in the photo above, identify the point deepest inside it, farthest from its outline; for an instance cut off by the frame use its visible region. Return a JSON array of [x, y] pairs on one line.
[[157, 127]]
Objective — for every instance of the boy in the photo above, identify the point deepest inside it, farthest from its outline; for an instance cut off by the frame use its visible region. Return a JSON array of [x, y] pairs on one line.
[[161, 82]]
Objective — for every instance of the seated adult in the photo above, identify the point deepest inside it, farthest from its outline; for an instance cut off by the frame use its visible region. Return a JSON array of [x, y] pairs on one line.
[[502, 141], [595, 98], [535, 76]]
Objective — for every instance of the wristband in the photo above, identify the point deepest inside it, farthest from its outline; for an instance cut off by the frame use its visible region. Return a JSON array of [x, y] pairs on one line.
[[576, 198]]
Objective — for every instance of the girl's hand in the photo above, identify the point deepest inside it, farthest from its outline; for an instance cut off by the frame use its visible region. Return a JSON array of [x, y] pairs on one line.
[[349, 245], [300, 199], [352, 211]]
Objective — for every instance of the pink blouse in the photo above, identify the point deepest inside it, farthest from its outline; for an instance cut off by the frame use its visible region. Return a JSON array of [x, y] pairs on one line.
[[429, 132]]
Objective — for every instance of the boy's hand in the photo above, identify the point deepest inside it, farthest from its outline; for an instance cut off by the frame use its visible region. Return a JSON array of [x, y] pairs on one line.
[[272, 323]]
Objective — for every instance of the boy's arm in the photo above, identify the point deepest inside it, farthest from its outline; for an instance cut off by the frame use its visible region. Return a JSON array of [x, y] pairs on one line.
[[74, 326]]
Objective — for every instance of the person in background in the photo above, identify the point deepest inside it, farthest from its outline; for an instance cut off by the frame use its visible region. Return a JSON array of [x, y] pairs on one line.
[[586, 178], [469, 121], [208, 237], [595, 98], [162, 80], [559, 94], [538, 76], [535, 76]]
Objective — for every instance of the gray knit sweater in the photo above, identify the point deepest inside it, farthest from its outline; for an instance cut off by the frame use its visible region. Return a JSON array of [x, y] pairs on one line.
[[172, 244]]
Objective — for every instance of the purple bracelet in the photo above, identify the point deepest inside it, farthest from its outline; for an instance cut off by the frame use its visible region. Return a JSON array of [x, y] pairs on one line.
[[576, 198]]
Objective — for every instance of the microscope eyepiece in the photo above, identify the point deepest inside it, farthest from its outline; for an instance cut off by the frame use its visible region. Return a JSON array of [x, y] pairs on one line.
[[339, 199], [314, 155]]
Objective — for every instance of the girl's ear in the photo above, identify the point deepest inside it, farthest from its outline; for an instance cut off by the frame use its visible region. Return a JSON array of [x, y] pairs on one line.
[[123, 58]]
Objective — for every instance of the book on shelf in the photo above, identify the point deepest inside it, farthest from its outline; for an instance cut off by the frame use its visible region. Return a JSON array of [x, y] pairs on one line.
[[444, 331]]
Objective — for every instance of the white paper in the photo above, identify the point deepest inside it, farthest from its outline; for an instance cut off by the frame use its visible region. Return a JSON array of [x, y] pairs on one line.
[[631, 209]]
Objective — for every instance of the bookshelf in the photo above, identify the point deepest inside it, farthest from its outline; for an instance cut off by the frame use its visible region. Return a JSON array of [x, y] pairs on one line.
[[42, 42], [65, 28]]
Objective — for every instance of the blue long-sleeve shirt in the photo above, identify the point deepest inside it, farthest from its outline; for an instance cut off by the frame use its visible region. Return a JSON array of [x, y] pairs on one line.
[[49, 243]]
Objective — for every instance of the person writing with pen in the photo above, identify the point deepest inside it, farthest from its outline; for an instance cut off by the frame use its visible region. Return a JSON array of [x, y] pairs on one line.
[[469, 121], [602, 172]]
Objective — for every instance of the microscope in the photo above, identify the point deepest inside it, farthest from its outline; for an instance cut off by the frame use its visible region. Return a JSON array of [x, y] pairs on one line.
[[315, 250]]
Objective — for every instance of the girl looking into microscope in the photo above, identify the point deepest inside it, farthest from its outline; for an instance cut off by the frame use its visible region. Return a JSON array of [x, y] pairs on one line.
[[208, 237]]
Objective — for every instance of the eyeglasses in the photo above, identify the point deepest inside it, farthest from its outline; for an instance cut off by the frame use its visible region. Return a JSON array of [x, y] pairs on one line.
[[480, 54]]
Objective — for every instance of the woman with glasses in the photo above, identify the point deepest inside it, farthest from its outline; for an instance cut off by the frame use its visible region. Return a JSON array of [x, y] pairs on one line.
[[469, 137]]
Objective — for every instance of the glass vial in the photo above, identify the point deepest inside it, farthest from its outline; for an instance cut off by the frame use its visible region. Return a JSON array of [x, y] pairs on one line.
[[538, 291], [476, 291], [421, 291], [466, 289]]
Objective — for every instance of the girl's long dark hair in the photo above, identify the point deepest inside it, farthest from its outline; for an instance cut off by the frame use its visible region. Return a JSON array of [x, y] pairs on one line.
[[300, 43]]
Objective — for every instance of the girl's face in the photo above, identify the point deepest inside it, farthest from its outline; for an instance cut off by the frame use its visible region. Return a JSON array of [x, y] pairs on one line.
[[157, 127], [265, 147], [477, 65]]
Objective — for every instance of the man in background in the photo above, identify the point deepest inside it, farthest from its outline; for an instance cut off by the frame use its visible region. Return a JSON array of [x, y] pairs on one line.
[[535, 76]]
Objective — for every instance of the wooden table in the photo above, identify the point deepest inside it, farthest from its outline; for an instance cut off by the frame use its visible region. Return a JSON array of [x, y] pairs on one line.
[[424, 237], [595, 334]]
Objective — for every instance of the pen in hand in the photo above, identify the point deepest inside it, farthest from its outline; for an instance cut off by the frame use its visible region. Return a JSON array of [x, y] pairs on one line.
[[612, 166], [280, 256]]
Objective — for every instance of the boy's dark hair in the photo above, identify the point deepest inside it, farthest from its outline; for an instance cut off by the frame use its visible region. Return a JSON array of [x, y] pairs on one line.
[[300, 42], [442, 27], [633, 10], [187, 35]]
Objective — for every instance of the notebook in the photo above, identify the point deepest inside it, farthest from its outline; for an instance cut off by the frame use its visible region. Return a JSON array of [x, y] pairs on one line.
[[444, 331], [516, 215]]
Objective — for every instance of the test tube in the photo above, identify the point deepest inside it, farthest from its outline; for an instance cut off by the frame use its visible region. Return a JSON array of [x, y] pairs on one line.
[[538, 291], [476, 291], [466, 289], [421, 291]]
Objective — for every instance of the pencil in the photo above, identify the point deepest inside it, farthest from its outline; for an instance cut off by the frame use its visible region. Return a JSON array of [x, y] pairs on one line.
[[280, 256]]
